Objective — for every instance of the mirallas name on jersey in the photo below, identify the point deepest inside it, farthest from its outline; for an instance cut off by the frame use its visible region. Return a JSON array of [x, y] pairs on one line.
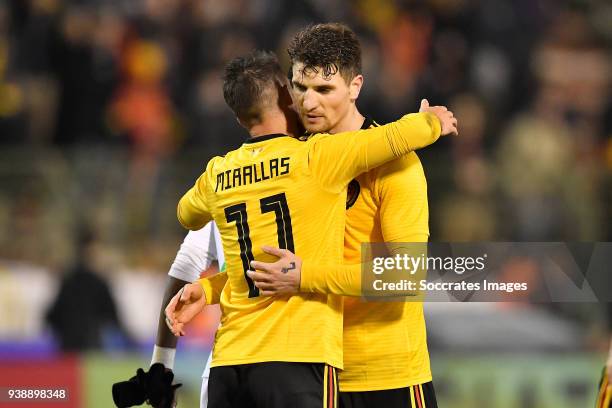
[[253, 173]]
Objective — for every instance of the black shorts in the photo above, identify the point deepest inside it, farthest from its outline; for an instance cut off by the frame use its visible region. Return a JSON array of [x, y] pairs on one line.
[[273, 385], [416, 396]]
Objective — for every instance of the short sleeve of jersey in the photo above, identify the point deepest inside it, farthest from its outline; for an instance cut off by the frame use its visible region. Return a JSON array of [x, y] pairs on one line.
[[401, 189], [195, 255]]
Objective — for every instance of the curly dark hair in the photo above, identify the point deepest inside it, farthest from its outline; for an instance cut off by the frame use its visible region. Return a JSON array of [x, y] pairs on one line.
[[249, 83], [331, 47]]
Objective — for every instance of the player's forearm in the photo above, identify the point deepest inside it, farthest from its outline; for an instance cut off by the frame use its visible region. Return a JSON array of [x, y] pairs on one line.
[[345, 280], [411, 132], [336, 279], [370, 148], [336, 160], [213, 286], [165, 338]]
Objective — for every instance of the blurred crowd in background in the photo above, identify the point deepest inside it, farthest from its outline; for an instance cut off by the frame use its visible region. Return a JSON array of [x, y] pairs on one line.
[[109, 110]]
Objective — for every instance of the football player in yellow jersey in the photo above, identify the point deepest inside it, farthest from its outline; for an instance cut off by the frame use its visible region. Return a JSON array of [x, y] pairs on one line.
[[281, 351], [386, 361]]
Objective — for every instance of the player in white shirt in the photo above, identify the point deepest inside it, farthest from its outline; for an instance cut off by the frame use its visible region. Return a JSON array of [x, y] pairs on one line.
[[196, 254]]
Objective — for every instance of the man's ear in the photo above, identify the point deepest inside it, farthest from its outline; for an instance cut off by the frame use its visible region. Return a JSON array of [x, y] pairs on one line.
[[241, 123], [285, 97], [355, 87]]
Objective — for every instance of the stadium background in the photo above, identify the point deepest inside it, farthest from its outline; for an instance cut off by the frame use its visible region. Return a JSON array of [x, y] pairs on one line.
[[110, 108]]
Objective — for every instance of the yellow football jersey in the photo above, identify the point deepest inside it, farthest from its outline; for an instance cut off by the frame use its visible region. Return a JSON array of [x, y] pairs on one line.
[[279, 190], [385, 344]]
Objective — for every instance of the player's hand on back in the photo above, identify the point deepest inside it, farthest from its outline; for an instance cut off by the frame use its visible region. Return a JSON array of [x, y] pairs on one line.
[[448, 122], [278, 278], [184, 306]]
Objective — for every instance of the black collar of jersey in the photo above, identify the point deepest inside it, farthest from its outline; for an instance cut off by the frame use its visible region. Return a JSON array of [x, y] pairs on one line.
[[367, 123], [264, 137]]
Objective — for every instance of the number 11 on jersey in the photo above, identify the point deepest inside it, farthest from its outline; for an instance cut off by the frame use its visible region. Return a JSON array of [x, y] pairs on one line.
[[238, 213]]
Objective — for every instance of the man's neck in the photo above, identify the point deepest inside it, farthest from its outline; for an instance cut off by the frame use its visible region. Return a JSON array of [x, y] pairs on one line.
[[271, 124], [351, 122]]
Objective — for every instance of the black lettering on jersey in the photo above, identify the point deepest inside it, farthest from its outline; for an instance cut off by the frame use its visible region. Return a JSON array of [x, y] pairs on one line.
[[263, 171], [219, 182], [247, 174], [257, 179], [227, 179], [352, 193], [236, 181], [274, 168], [254, 173], [285, 165], [278, 204], [238, 214]]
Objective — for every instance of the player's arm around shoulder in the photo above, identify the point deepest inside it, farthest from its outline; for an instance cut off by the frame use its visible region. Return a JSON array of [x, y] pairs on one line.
[[402, 196], [338, 159]]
